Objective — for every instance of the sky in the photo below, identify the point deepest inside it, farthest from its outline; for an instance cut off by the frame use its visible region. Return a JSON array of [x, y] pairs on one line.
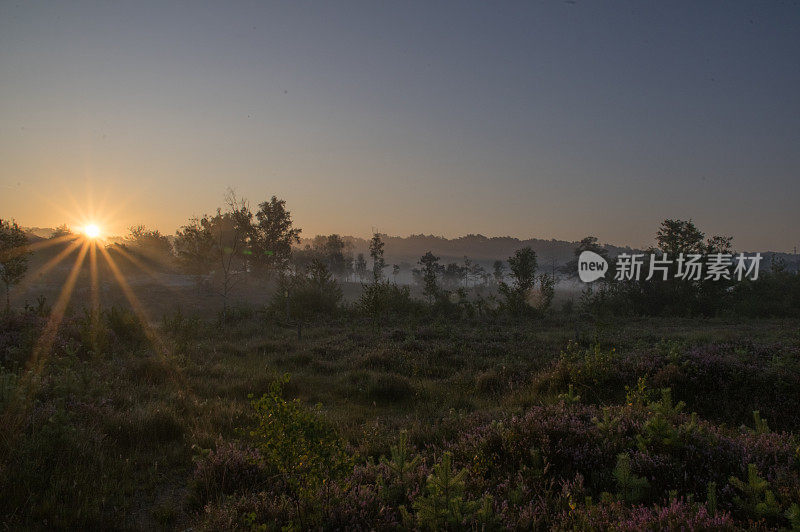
[[527, 119]]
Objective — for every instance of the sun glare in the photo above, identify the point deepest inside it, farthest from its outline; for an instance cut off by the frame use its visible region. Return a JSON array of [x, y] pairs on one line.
[[92, 231]]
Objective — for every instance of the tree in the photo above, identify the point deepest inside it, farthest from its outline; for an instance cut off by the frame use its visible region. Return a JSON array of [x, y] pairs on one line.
[[587, 243], [61, 231], [150, 244], [452, 275], [13, 256], [429, 272], [302, 296], [331, 250], [361, 267], [478, 273], [271, 237], [679, 236], [523, 267], [218, 244], [678, 295], [194, 246], [468, 265], [376, 252], [498, 271]]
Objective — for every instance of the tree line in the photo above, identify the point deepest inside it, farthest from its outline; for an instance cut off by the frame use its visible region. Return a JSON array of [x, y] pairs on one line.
[[237, 242]]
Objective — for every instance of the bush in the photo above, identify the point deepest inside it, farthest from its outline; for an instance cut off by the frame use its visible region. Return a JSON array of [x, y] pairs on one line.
[[297, 442], [303, 296], [126, 326]]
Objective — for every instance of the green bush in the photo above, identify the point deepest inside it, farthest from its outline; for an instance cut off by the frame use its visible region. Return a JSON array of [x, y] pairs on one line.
[[297, 442]]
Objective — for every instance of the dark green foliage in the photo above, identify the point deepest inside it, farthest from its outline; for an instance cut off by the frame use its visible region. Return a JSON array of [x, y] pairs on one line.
[[430, 272], [444, 505], [13, 255], [631, 488], [755, 496], [126, 326], [523, 273], [380, 301], [297, 442], [271, 236], [300, 297], [378, 262]]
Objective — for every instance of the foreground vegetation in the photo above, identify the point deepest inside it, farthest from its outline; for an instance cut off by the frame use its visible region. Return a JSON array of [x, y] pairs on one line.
[[428, 423]]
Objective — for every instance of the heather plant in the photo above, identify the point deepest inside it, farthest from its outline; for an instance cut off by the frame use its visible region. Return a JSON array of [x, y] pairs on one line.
[[224, 471]]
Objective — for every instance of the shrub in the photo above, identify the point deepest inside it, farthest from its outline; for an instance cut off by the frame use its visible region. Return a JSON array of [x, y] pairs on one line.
[[224, 471], [126, 326], [296, 441]]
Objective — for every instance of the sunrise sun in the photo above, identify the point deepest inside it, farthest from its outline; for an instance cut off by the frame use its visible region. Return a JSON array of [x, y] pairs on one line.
[[91, 230]]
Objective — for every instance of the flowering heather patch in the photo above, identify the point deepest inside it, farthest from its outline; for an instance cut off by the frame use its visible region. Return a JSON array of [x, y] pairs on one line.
[[557, 466]]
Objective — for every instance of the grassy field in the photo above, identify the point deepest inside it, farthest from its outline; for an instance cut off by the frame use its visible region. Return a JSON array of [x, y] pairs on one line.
[[127, 426]]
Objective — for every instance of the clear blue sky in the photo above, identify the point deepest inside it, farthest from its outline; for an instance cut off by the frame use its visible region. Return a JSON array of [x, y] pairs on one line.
[[530, 119]]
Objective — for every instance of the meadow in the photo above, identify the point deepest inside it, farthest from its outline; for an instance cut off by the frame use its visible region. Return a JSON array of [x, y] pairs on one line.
[[424, 422]]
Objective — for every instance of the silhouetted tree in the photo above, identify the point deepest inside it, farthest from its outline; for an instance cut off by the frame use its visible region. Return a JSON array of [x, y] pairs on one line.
[[376, 252], [361, 267], [679, 236], [452, 275], [523, 267], [13, 256], [149, 244], [429, 272], [194, 246], [61, 231], [271, 236], [331, 250], [587, 243], [498, 271], [217, 244], [303, 295]]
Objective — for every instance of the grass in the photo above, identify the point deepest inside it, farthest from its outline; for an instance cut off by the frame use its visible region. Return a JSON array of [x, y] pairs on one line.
[[113, 439]]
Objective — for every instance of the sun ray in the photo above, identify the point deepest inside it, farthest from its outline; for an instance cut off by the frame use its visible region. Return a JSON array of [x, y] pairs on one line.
[[36, 246], [136, 305], [144, 267], [79, 216], [47, 337], [95, 283], [34, 276]]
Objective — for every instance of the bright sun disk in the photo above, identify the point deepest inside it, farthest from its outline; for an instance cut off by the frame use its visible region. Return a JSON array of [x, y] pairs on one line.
[[92, 231]]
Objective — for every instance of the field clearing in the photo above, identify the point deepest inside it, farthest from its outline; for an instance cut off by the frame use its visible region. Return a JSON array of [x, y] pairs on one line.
[[112, 439]]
